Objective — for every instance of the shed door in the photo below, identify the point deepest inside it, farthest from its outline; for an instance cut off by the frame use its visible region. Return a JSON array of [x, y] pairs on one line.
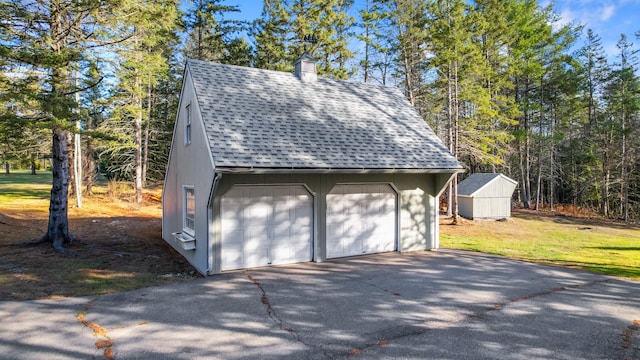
[[361, 219], [266, 225]]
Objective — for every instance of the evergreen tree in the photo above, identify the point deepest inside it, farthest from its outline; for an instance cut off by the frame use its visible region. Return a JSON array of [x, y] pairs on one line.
[[143, 63], [408, 20], [623, 97], [238, 52], [330, 24], [208, 33], [594, 75], [271, 33], [44, 40], [377, 49]]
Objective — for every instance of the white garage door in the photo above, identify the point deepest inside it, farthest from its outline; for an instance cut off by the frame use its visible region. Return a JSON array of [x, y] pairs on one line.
[[361, 219], [266, 225]]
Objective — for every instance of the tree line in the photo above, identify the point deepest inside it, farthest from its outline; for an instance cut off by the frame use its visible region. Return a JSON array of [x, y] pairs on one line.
[[94, 85]]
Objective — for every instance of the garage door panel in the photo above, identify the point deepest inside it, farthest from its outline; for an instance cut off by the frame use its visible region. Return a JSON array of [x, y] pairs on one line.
[[280, 234], [255, 238], [360, 219], [234, 237], [281, 255], [232, 258], [259, 257], [275, 226], [257, 213]]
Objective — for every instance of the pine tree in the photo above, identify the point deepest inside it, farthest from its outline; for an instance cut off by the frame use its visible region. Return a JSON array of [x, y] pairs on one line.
[[208, 32], [623, 97], [330, 24], [94, 109], [408, 22], [377, 49], [143, 62], [238, 52], [594, 75], [270, 34], [45, 39]]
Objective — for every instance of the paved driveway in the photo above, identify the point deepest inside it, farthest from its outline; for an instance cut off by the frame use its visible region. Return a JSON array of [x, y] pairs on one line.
[[425, 305]]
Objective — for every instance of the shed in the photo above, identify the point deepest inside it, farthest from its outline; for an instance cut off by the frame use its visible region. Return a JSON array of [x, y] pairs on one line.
[[270, 168], [485, 196]]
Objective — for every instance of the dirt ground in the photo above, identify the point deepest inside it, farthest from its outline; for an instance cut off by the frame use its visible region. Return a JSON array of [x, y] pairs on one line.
[[118, 247]]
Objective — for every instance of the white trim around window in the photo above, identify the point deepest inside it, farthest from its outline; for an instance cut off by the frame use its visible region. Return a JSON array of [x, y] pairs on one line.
[[189, 210], [187, 125]]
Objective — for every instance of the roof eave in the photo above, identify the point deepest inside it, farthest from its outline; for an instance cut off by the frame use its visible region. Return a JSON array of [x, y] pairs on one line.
[[288, 170]]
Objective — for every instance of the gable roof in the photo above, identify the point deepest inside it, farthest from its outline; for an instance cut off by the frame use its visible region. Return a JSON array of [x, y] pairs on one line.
[[476, 182], [262, 119]]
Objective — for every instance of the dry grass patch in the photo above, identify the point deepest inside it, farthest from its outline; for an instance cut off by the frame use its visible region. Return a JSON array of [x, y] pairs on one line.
[[119, 244]]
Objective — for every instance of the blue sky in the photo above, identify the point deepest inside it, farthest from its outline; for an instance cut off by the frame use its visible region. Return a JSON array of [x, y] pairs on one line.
[[607, 18]]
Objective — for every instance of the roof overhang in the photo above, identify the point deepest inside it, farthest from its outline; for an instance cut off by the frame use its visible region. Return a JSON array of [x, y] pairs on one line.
[[262, 170]]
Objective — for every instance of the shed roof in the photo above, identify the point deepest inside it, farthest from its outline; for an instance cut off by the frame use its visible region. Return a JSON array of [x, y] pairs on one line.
[[258, 118], [476, 182]]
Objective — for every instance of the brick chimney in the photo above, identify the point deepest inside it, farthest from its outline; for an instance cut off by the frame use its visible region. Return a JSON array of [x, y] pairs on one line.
[[305, 68]]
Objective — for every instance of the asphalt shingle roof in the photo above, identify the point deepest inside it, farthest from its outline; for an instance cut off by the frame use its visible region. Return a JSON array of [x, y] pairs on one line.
[[258, 118], [477, 181]]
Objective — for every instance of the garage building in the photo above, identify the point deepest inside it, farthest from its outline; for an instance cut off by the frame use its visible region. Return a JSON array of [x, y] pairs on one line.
[[271, 168]]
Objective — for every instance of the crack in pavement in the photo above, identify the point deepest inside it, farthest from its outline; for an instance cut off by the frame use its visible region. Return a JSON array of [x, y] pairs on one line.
[[274, 316], [381, 288], [627, 335], [408, 330], [265, 300], [104, 340], [99, 332], [500, 306], [394, 333]]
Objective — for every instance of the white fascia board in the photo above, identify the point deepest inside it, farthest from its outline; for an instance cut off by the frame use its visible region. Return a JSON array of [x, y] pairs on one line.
[[243, 170]]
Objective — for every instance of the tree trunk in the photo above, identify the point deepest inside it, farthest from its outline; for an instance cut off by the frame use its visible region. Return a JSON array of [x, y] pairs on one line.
[[145, 154], [552, 161], [7, 168], [90, 166], [33, 165], [77, 168], [456, 135], [137, 124], [450, 137], [70, 160], [58, 227], [138, 160], [527, 162], [77, 153], [604, 197], [366, 46], [145, 144], [624, 179]]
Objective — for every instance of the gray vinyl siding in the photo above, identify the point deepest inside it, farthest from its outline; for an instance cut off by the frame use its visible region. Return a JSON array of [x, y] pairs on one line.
[[486, 196], [491, 208], [417, 200], [465, 207], [189, 165]]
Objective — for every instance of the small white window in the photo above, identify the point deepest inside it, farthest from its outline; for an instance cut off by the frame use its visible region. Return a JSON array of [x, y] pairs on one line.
[[187, 125], [189, 222]]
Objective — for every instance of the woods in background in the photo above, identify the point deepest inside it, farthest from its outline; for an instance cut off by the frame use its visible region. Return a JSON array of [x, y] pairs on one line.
[[504, 84]]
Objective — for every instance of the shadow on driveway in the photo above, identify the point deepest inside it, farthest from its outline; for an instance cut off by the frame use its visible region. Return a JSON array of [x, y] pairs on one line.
[[424, 305]]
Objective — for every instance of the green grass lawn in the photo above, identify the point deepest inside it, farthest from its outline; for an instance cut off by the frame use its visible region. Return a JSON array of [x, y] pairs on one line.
[[596, 245], [21, 184]]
